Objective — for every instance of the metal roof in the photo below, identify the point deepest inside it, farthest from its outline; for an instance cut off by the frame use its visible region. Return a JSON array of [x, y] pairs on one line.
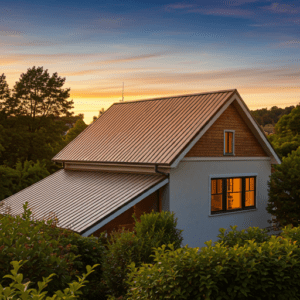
[[80, 199], [151, 131]]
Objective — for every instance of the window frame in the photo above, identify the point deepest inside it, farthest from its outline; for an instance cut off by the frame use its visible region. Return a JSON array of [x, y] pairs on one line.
[[224, 193], [233, 142]]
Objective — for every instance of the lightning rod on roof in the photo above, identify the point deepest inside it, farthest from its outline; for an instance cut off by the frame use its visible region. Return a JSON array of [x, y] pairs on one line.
[[122, 100]]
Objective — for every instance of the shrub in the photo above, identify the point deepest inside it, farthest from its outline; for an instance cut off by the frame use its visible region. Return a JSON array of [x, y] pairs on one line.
[[123, 248], [19, 290], [291, 233], [235, 237], [89, 251], [49, 249], [39, 242], [153, 230], [269, 270], [156, 229]]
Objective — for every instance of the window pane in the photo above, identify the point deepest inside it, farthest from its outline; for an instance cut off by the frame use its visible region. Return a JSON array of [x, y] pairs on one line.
[[247, 181], [229, 185], [237, 184], [252, 183], [214, 186], [234, 200], [229, 142], [220, 186], [249, 198], [216, 202]]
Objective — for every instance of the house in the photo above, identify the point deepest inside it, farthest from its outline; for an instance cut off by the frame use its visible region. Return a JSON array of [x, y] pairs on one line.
[[202, 156]]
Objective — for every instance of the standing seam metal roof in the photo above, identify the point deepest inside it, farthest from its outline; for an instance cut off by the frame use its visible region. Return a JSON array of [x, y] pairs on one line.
[[152, 131], [80, 199]]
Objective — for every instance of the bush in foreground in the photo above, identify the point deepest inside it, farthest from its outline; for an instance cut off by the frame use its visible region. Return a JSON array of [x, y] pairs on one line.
[[49, 249], [269, 270], [241, 237], [153, 230], [18, 289]]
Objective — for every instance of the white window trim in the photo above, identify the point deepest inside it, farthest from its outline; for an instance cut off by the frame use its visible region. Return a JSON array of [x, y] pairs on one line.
[[210, 177], [233, 142]]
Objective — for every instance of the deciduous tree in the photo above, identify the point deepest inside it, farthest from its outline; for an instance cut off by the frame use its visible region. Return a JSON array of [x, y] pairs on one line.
[[284, 190]]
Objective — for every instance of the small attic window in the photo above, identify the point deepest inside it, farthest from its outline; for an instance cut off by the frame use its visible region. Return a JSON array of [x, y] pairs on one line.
[[228, 142]]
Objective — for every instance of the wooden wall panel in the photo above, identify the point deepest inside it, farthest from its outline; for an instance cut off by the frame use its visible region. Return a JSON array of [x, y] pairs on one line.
[[126, 220], [212, 142]]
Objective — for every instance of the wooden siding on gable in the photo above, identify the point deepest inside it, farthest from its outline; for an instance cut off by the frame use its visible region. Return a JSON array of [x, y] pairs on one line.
[[212, 142]]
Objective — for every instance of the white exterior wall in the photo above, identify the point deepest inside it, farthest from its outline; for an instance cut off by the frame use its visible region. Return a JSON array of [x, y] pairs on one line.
[[189, 191]]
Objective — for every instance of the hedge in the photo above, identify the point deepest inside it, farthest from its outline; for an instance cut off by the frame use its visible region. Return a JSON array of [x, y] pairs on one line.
[[267, 270]]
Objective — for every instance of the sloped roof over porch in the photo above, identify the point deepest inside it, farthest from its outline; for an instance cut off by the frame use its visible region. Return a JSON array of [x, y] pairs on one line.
[[82, 200]]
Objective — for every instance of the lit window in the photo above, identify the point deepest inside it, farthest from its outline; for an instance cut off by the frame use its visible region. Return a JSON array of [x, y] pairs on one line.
[[228, 142], [230, 194]]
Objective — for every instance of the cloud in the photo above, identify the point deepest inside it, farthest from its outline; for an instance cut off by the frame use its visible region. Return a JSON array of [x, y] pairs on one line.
[[224, 12], [283, 8], [12, 59], [288, 44], [128, 59]]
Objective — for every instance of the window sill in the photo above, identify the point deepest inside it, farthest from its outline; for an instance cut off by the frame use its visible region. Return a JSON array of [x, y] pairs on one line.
[[233, 212]]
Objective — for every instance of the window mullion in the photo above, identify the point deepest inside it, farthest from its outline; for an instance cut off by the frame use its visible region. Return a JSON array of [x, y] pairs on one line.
[[243, 192], [224, 194]]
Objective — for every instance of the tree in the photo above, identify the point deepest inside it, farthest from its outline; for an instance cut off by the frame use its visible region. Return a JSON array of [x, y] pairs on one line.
[[4, 91], [101, 112], [12, 180], [76, 130], [284, 191], [37, 94], [287, 133]]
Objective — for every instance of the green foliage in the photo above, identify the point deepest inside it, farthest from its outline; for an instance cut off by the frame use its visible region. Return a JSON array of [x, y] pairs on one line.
[[89, 251], [16, 179], [4, 91], [269, 270], [240, 238], [266, 116], [39, 94], [34, 117], [42, 244], [18, 289], [287, 136], [156, 229], [75, 131], [49, 249], [153, 230], [122, 249], [284, 191], [291, 233]]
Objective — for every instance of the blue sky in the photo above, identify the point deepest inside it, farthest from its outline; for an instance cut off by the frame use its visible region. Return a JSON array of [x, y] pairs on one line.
[[157, 48]]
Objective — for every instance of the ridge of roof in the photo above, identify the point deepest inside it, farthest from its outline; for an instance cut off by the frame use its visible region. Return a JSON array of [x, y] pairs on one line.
[[177, 96]]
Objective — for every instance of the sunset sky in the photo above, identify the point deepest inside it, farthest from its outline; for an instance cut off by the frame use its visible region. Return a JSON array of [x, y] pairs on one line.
[[157, 48]]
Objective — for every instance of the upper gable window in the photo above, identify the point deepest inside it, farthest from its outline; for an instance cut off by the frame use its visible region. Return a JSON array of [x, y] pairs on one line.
[[228, 142]]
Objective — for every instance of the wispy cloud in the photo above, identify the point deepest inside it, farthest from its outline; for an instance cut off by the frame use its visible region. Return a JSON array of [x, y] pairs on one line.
[[287, 44], [224, 12], [283, 8], [128, 59]]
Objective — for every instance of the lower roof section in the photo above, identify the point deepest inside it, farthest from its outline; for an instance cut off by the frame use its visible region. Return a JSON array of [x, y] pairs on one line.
[[81, 200]]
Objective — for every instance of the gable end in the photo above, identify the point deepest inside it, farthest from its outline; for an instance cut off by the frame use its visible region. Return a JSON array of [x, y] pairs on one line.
[[211, 144]]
